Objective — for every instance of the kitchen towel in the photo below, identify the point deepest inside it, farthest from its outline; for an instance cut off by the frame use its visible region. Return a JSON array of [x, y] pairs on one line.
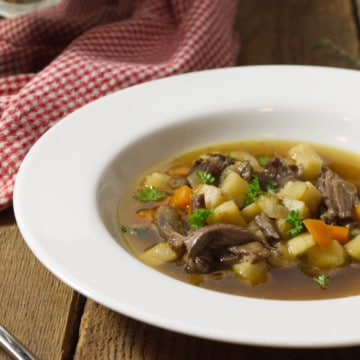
[[59, 59]]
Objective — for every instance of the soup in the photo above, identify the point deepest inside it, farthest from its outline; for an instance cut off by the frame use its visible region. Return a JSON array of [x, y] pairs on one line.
[[262, 218]]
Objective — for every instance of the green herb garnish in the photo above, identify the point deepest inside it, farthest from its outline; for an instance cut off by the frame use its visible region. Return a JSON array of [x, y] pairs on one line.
[[253, 192], [206, 177], [198, 218], [262, 159], [138, 231], [149, 194], [322, 280], [295, 220]]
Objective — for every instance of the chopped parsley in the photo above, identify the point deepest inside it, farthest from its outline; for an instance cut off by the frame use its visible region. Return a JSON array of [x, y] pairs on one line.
[[198, 218], [138, 231], [295, 220], [322, 280], [262, 159], [253, 192], [206, 177], [149, 194]]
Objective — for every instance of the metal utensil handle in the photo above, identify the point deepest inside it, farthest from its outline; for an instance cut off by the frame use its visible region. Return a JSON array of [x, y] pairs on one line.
[[14, 347]]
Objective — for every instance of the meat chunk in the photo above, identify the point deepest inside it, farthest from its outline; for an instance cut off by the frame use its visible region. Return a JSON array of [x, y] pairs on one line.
[[267, 227], [213, 246], [340, 197]]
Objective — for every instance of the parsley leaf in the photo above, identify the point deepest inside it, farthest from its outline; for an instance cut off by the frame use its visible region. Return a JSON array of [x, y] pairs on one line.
[[262, 159], [206, 177], [295, 220], [253, 192], [138, 231], [322, 280], [149, 194], [198, 218]]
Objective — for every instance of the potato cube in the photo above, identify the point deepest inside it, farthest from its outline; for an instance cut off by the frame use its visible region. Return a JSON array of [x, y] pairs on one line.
[[234, 187], [213, 195], [329, 256], [353, 248], [254, 273], [307, 159], [304, 191], [158, 254], [283, 226], [160, 181], [300, 244], [227, 213], [293, 204], [245, 156], [249, 212]]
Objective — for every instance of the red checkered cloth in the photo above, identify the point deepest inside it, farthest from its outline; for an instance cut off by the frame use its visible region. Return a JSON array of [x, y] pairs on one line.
[[56, 60]]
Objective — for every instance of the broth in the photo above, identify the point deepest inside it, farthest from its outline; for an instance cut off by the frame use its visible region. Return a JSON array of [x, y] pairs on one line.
[[293, 282]]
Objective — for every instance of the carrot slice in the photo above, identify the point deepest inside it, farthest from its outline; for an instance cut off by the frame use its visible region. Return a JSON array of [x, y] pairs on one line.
[[319, 231], [181, 197], [339, 233]]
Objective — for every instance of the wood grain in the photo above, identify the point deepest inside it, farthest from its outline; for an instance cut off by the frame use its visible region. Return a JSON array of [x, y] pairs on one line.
[[34, 304]]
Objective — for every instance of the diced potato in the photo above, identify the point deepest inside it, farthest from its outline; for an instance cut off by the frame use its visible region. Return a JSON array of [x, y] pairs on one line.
[[234, 187], [267, 201], [304, 191], [254, 273], [227, 213], [213, 195], [353, 248], [293, 204], [332, 255], [307, 159], [283, 226], [300, 244], [250, 211], [160, 181], [158, 254]]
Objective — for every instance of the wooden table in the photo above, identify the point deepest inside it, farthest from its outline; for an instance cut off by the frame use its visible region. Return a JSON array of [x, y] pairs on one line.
[[56, 322]]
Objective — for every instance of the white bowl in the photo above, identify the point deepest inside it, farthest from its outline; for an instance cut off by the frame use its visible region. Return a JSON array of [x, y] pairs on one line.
[[67, 192]]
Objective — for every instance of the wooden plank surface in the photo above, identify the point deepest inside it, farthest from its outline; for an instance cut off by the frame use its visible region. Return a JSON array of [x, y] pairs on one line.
[[272, 32], [45, 314], [34, 305]]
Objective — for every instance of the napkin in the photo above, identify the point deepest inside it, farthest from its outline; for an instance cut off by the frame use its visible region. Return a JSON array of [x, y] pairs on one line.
[[59, 59]]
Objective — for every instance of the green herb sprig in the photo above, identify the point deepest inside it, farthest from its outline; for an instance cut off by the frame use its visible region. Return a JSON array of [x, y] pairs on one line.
[[253, 192], [149, 194], [206, 177], [295, 220], [198, 218], [322, 280]]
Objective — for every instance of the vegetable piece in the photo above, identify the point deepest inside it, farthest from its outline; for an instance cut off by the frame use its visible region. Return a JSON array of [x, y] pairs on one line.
[[300, 244], [149, 194], [270, 205], [227, 213], [213, 195], [326, 257], [254, 191], [322, 280], [293, 204], [160, 181], [339, 233], [304, 191], [199, 217], [249, 212], [319, 231], [234, 187], [254, 273], [353, 248], [181, 197], [294, 219], [307, 159], [158, 254], [206, 177]]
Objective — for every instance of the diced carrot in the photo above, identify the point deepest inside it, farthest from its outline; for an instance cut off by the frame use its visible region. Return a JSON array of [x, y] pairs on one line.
[[319, 231], [339, 233], [181, 197], [357, 213], [179, 171]]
